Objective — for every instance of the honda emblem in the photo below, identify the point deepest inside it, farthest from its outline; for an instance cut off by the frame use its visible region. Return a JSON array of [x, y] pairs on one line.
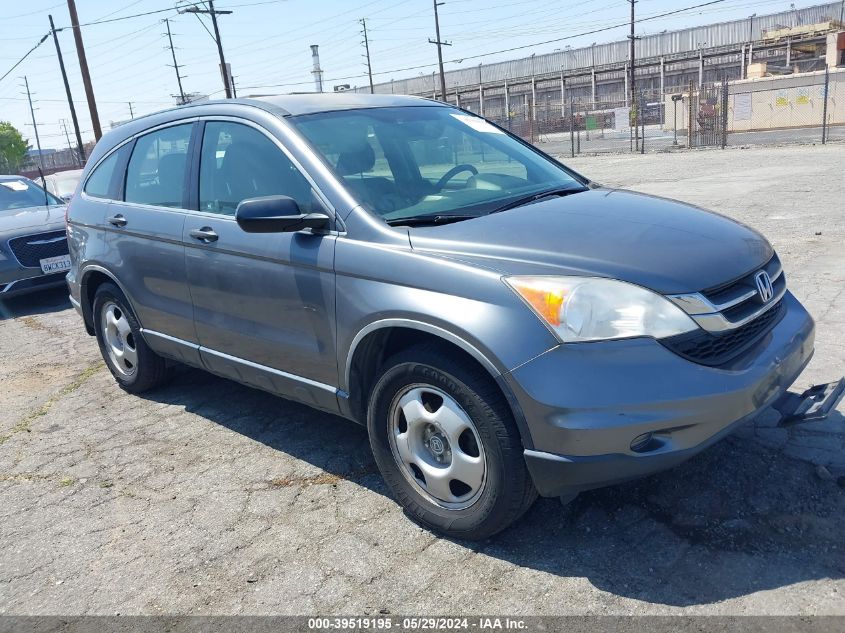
[[764, 286]]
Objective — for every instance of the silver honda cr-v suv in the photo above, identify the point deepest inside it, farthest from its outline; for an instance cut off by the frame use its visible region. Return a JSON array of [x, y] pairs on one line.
[[502, 325]]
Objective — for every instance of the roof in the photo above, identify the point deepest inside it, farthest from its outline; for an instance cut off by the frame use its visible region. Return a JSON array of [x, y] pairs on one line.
[[296, 104], [277, 105], [67, 174]]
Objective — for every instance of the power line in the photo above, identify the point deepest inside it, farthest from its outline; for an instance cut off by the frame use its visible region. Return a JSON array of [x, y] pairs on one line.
[[116, 11], [590, 32], [6, 18], [28, 53], [504, 50], [123, 17]]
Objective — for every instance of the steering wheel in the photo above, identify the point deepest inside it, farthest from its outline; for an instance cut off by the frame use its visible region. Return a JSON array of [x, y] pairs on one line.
[[457, 169]]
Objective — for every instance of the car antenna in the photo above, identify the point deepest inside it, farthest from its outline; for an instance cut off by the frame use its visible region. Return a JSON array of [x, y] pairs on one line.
[[44, 187]]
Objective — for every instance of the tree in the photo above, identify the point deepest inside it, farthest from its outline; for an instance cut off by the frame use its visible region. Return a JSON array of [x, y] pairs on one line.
[[13, 148]]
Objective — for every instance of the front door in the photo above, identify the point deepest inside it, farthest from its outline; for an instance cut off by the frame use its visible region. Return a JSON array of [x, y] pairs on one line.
[[264, 304]]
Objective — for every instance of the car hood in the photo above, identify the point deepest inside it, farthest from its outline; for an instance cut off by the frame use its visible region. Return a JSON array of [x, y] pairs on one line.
[[42, 218], [661, 244]]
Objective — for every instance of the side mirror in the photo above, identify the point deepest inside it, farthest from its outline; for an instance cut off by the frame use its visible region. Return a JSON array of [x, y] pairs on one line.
[[277, 214]]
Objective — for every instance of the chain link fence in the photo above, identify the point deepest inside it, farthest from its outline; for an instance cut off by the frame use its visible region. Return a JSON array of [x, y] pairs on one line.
[[577, 126], [802, 108], [805, 108]]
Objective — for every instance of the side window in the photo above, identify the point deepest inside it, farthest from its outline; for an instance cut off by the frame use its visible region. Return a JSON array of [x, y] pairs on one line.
[[238, 162], [156, 171], [99, 183]]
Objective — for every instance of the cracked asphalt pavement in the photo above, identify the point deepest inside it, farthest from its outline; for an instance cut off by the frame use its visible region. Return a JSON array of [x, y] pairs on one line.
[[206, 497]]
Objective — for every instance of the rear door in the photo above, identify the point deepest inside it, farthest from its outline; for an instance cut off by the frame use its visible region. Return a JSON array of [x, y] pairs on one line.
[[145, 241], [264, 304]]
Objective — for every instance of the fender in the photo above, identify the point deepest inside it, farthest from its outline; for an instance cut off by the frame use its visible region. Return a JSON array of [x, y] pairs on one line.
[[468, 347], [84, 274]]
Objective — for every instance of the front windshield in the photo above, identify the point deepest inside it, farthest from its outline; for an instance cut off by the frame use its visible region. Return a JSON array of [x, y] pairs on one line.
[[427, 161], [20, 193]]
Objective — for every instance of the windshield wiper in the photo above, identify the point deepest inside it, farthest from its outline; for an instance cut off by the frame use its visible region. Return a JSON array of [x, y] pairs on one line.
[[422, 220], [534, 197]]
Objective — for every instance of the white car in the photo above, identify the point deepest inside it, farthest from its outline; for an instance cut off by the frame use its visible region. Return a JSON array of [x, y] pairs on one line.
[[62, 184]]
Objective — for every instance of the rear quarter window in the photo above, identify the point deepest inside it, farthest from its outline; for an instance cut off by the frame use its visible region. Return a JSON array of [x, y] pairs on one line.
[[102, 182]]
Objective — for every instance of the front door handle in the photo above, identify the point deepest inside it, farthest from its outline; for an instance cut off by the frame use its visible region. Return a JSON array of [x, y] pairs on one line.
[[205, 234], [117, 220]]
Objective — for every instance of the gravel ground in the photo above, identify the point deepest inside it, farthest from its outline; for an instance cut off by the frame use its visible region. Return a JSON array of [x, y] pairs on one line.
[[205, 497]]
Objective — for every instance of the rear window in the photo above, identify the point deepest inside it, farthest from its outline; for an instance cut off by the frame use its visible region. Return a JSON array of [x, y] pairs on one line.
[[156, 171]]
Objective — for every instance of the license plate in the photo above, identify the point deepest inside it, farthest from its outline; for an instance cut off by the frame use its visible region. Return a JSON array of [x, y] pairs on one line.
[[58, 264]]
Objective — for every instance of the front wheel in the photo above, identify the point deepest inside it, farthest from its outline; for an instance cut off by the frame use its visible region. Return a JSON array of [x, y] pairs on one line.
[[445, 441]]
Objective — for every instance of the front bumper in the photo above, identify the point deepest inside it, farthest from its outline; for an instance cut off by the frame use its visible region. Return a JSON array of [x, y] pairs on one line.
[[24, 284], [586, 405]]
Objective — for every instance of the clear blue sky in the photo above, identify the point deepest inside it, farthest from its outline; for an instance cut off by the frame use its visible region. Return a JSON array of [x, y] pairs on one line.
[[266, 42]]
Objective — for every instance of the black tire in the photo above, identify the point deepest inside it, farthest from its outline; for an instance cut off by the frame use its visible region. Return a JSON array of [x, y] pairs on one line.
[[150, 370], [508, 490]]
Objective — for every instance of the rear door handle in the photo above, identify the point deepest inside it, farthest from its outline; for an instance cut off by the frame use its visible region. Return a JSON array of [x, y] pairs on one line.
[[117, 220], [205, 234]]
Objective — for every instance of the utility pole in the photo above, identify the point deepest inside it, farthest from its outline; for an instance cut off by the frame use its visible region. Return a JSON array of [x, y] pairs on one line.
[[367, 50], [632, 56], [175, 65], [750, 42], [79, 147], [34, 126], [224, 70], [83, 68], [632, 83], [63, 123], [440, 44], [701, 63]]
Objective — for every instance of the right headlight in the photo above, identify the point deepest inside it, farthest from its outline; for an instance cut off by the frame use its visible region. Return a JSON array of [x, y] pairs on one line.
[[595, 309]]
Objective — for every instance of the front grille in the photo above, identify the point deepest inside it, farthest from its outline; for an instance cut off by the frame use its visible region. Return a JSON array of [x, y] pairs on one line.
[[717, 349], [29, 249], [732, 316], [739, 299]]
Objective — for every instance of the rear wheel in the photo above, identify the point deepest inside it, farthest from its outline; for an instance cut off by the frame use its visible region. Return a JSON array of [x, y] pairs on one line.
[[445, 441], [133, 364]]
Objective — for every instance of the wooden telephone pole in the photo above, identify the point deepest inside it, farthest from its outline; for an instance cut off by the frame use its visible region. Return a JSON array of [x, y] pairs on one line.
[[224, 69], [175, 65], [367, 51], [79, 147], [83, 68], [440, 44]]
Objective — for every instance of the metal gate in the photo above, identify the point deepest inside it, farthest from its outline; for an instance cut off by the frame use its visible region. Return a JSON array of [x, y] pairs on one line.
[[708, 115]]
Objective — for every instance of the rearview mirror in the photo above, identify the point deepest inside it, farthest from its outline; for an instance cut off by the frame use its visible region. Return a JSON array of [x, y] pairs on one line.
[[277, 214]]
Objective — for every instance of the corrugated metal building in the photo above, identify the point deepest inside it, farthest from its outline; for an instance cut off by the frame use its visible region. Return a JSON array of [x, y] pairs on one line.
[[598, 73]]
